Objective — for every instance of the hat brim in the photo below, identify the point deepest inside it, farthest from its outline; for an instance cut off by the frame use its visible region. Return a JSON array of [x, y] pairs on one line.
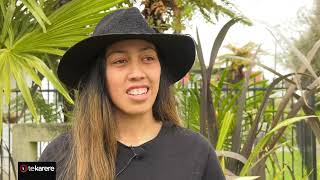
[[177, 55]]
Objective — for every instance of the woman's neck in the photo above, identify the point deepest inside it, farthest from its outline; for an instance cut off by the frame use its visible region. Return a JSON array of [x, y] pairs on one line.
[[134, 130]]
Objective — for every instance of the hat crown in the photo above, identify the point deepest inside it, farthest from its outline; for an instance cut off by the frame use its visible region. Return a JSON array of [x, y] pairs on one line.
[[177, 50], [125, 21]]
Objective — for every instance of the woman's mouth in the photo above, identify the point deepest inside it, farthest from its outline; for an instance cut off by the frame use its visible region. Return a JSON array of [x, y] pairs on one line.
[[138, 91]]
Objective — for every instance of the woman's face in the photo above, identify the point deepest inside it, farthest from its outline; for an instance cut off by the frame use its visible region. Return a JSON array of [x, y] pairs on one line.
[[133, 75]]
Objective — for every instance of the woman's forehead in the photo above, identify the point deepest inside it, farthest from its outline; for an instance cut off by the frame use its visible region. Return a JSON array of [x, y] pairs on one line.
[[132, 44]]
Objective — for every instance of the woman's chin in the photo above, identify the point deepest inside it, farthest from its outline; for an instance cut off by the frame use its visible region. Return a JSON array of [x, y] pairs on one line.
[[135, 111]]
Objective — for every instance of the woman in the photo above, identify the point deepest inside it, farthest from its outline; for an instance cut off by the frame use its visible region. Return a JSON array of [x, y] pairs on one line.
[[125, 121]]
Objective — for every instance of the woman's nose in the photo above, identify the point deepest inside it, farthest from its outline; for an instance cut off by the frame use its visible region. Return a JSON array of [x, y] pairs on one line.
[[136, 71]]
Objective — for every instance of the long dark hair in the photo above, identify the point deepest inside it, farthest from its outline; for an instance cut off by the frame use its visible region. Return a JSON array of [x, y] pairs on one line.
[[94, 144]]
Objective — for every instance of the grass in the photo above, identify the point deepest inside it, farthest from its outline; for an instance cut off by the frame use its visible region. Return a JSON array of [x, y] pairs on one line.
[[289, 164]]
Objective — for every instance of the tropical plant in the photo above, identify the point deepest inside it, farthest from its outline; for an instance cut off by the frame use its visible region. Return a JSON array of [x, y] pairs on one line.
[[260, 132], [174, 14], [283, 104], [49, 111], [33, 30]]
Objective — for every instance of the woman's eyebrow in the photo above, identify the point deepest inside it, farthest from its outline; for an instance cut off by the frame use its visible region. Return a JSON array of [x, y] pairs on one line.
[[147, 48], [123, 51], [114, 52]]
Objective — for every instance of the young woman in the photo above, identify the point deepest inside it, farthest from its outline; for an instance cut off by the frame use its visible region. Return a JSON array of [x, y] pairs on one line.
[[126, 126]]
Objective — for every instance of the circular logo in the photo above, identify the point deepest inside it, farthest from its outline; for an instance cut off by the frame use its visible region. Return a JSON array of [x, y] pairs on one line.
[[23, 168]]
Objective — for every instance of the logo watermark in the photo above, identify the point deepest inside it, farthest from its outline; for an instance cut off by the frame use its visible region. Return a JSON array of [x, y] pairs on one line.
[[36, 170]]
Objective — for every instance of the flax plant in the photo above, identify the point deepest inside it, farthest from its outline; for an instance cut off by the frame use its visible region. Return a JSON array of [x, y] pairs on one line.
[[226, 120]]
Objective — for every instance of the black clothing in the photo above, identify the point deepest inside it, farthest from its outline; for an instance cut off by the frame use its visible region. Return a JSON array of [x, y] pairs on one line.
[[175, 153]]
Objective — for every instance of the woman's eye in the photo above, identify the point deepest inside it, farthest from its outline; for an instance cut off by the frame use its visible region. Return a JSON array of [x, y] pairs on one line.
[[120, 61], [148, 58]]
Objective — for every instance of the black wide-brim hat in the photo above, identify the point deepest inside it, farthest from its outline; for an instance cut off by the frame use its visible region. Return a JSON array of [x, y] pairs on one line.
[[176, 51]]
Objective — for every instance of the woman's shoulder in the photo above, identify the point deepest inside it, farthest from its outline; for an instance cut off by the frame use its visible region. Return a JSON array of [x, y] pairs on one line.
[[57, 146], [187, 137], [193, 148]]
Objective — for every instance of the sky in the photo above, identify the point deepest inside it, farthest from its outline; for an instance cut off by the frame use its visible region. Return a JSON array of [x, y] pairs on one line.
[[261, 12]]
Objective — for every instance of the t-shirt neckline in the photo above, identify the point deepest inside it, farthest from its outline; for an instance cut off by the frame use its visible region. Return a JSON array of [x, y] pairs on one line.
[[164, 126]]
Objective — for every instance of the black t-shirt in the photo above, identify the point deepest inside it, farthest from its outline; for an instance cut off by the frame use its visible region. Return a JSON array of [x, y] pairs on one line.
[[176, 153]]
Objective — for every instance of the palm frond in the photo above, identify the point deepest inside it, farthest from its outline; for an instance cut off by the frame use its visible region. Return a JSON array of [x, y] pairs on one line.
[[28, 34]]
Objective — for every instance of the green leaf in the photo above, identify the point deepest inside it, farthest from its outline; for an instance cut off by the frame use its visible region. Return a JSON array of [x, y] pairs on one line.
[[37, 12], [6, 78], [9, 41], [49, 111], [26, 41], [218, 41], [5, 69], [8, 14], [288, 122], [70, 24], [200, 57], [1, 101], [17, 72], [30, 70], [45, 71], [270, 152], [219, 88], [247, 178], [49, 50], [261, 143], [226, 125]]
